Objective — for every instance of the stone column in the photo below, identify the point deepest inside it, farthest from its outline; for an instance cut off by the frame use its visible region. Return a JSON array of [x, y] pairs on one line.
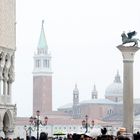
[[5, 78], [5, 74], [11, 75], [2, 63], [128, 53]]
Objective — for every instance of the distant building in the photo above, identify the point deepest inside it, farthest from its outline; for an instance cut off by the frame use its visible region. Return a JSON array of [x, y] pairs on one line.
[[103, 111], [108, 109]]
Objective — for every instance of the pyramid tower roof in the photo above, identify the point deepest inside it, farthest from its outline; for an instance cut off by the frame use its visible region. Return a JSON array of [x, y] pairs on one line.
[[42, 40]]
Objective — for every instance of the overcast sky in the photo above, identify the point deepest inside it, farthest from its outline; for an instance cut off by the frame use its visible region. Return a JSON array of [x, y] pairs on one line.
[[82, 36]]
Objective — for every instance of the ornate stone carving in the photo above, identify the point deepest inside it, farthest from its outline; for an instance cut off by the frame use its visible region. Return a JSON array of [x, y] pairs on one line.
[[2, 63], [6, 68], [11, 73], [127, 38]]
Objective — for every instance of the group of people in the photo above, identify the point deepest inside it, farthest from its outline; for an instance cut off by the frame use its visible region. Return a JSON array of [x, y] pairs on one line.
[[121, 135]]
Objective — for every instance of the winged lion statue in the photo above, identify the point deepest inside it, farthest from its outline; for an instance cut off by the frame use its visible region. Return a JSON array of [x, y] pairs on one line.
[[127, 38]]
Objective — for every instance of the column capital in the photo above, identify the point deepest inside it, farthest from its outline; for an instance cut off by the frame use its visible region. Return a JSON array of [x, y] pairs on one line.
[[128, 52]]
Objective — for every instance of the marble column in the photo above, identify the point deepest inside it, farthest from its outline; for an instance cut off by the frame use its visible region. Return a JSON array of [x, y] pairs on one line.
[[2, 63], [128, 53], [11, 76]]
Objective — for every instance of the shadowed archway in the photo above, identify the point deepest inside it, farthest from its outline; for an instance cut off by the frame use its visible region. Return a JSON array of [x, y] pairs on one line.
[[7, 121]]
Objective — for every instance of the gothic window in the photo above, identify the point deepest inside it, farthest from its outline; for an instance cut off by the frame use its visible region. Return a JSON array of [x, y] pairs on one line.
[[38, 63]]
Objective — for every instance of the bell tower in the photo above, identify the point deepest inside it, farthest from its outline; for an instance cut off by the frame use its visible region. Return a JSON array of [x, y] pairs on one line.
[[42, 77], [76, 110], [94, 94]]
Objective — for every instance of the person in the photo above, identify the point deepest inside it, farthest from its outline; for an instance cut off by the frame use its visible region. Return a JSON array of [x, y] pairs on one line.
[[76, 136], [136, 136], [121, 131], [104, 135], [43, 136], [69, 136], [121, 137], [104, 131], [87, 137]]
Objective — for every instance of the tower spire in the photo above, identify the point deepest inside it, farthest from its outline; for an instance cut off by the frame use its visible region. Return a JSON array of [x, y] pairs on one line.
[[94, 93], [42, 43], [117, 78], [42, 22]]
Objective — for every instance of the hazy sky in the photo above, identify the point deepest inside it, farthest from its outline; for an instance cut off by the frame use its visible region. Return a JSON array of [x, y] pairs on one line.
[[82, 36]]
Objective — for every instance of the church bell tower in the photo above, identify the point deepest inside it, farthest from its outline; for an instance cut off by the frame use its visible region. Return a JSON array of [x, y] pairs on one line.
[[42, 77], [76, 110]]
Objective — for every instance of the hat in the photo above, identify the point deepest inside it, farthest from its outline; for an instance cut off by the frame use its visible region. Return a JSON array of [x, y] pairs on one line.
[[122, 129]]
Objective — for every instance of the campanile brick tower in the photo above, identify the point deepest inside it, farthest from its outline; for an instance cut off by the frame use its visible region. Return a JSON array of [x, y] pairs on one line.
[[42, 77]]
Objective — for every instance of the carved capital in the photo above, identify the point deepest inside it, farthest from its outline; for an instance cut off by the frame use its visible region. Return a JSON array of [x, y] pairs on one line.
[[128, 52]]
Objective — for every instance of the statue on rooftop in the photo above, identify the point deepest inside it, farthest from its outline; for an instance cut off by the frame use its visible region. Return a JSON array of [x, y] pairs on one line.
[[127, 38]]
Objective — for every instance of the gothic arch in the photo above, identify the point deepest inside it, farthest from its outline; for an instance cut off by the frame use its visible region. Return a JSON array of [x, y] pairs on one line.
[[7, 121]]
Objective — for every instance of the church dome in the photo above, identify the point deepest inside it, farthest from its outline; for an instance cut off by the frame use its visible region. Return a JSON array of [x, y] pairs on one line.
[[114, 91]]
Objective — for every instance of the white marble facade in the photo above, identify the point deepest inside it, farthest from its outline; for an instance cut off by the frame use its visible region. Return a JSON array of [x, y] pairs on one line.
[[7, 74]]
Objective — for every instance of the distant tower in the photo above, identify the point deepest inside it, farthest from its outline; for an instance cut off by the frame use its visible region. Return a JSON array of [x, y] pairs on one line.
[[117, 78], [94, 94], [42, 77], [75, 95], [76, 111]]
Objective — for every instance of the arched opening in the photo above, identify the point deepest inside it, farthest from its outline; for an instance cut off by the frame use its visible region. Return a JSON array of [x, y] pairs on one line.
[[6, 122]]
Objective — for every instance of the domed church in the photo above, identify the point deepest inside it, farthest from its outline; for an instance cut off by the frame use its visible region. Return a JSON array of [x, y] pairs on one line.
[[107, 109], [114, 92]]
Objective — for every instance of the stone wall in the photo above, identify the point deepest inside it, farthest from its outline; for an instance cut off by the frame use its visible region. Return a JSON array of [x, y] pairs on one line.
[[7, 24]]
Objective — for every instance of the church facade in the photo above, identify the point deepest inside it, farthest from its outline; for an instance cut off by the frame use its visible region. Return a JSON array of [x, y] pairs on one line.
[[108, 109]]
